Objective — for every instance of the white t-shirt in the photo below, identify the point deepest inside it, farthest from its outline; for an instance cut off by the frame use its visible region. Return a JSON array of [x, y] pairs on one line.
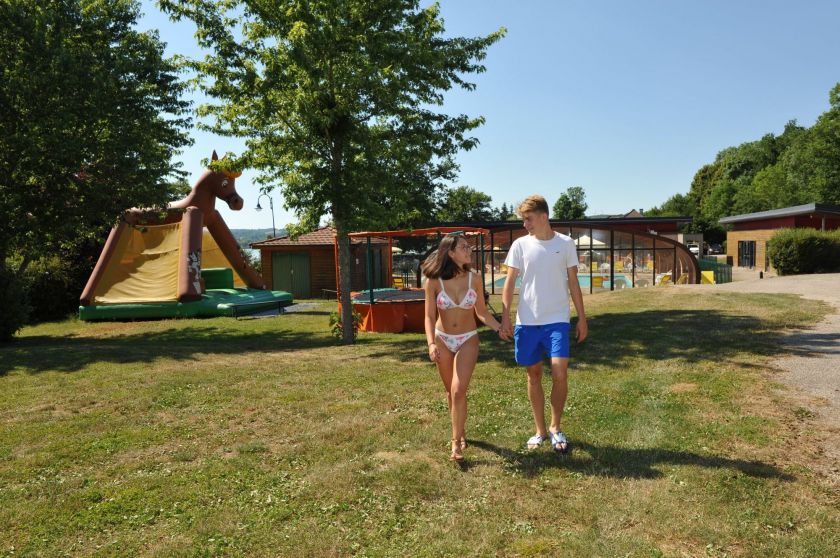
[[543, 266]]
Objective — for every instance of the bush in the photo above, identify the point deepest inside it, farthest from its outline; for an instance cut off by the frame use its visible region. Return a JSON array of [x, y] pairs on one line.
[[797, 251], [53, 285], [13, 302], [48, 289], [337, 329]]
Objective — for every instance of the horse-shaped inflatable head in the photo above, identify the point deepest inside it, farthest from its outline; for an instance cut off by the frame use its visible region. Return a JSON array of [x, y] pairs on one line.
[[210, 186]]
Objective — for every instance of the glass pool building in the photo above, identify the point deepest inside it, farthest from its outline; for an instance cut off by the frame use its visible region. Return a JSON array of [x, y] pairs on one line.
[[613, 253]]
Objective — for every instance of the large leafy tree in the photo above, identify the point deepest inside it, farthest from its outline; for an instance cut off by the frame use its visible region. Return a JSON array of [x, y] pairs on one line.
[[465, 204], [681, 205], [337, 99], [801, 165], [570, 205], [733, 188], [90, 118], [813, 164], [675, 206]]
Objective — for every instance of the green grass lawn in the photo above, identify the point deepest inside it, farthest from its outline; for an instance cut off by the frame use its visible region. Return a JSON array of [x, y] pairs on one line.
[[265, 438]]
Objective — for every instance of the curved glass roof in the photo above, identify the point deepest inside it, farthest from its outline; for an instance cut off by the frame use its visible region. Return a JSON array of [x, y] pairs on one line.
[[609, 257]]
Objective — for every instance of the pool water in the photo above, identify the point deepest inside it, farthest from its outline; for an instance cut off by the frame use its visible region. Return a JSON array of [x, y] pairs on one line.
[[500, 283], [583, 281]]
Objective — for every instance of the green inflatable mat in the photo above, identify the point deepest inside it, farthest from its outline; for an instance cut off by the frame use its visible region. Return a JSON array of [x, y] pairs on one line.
[[214, 302]]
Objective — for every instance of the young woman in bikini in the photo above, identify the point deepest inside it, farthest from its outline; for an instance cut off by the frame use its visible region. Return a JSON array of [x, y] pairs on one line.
[[454, 296]]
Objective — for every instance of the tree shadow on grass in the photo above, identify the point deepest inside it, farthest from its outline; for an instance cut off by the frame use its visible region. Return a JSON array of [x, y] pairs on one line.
[[617, 462], [691, 335], [69, 354], [323, 313], [811, 342]]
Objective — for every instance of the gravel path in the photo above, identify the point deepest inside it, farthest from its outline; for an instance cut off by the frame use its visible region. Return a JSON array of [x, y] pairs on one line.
[[812, 365]]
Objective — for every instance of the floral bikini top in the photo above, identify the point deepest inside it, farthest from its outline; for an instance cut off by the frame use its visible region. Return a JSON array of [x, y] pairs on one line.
[[444, 302]]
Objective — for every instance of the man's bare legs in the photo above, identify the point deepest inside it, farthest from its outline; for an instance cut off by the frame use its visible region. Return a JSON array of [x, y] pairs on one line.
[[559, 392]]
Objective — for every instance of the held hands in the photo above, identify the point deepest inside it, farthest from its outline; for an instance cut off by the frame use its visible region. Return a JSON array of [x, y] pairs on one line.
[[506, 329], [503, 334]]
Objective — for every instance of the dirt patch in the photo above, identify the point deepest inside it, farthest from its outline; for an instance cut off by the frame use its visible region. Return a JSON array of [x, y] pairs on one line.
[[683, 388], [389, 459]]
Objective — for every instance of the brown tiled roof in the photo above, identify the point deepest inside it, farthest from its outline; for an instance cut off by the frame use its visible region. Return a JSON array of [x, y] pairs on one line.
[[325, 236]]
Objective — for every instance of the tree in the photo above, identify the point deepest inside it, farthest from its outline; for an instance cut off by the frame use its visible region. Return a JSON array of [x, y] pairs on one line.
[[336, 98], [703, 182], [746, 178], [13, 302], [813, 163], [90, 118], [505, 213], [676, 206], [571, 205], [466, 205], [767, 190], [802, 165]]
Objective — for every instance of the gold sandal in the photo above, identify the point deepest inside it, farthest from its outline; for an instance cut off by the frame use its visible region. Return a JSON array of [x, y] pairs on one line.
[[457, 452]]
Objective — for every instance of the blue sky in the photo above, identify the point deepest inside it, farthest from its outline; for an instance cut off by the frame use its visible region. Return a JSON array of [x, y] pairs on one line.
[[625, 99]]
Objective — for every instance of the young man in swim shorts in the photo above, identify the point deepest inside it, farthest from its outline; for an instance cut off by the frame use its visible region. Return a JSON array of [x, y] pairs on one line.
[[547, 263]]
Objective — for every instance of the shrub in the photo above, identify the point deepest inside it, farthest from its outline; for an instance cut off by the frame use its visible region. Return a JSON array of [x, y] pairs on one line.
[[796, 251], [53, 285], [48, 289], [336, 328], [13, 302]]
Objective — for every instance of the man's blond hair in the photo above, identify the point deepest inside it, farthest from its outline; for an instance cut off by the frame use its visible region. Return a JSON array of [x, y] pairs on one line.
[[533, 204]]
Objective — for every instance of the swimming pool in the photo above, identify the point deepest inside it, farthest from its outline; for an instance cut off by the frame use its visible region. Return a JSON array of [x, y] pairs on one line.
[[500, 283], [621, 281]]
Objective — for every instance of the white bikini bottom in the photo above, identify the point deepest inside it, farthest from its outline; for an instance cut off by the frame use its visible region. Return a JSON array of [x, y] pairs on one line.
[[454, 342]]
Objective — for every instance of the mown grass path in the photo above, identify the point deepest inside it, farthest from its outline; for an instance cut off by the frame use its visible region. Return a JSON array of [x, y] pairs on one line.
[[265, 438]]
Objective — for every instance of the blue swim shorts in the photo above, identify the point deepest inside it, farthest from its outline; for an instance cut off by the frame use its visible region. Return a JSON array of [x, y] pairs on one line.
[[531, 342]]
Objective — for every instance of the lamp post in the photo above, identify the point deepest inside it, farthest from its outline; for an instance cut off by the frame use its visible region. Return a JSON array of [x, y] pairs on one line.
[[271, 206]]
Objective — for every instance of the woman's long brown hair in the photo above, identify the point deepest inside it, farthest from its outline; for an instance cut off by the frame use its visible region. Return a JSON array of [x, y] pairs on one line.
[[439, 264]]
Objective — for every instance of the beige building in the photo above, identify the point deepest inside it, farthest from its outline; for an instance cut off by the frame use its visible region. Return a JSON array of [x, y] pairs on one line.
[[747, 242]]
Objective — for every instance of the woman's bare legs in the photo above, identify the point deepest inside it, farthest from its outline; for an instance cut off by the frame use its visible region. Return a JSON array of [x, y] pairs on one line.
[[445, 366], [463, 370], [455, 372]]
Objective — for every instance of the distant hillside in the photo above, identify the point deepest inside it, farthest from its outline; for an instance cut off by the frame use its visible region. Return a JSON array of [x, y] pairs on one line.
[[244, 237]]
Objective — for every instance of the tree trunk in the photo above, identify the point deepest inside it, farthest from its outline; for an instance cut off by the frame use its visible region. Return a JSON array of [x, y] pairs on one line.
[[344, 283], [23, 265], [348, 336]]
